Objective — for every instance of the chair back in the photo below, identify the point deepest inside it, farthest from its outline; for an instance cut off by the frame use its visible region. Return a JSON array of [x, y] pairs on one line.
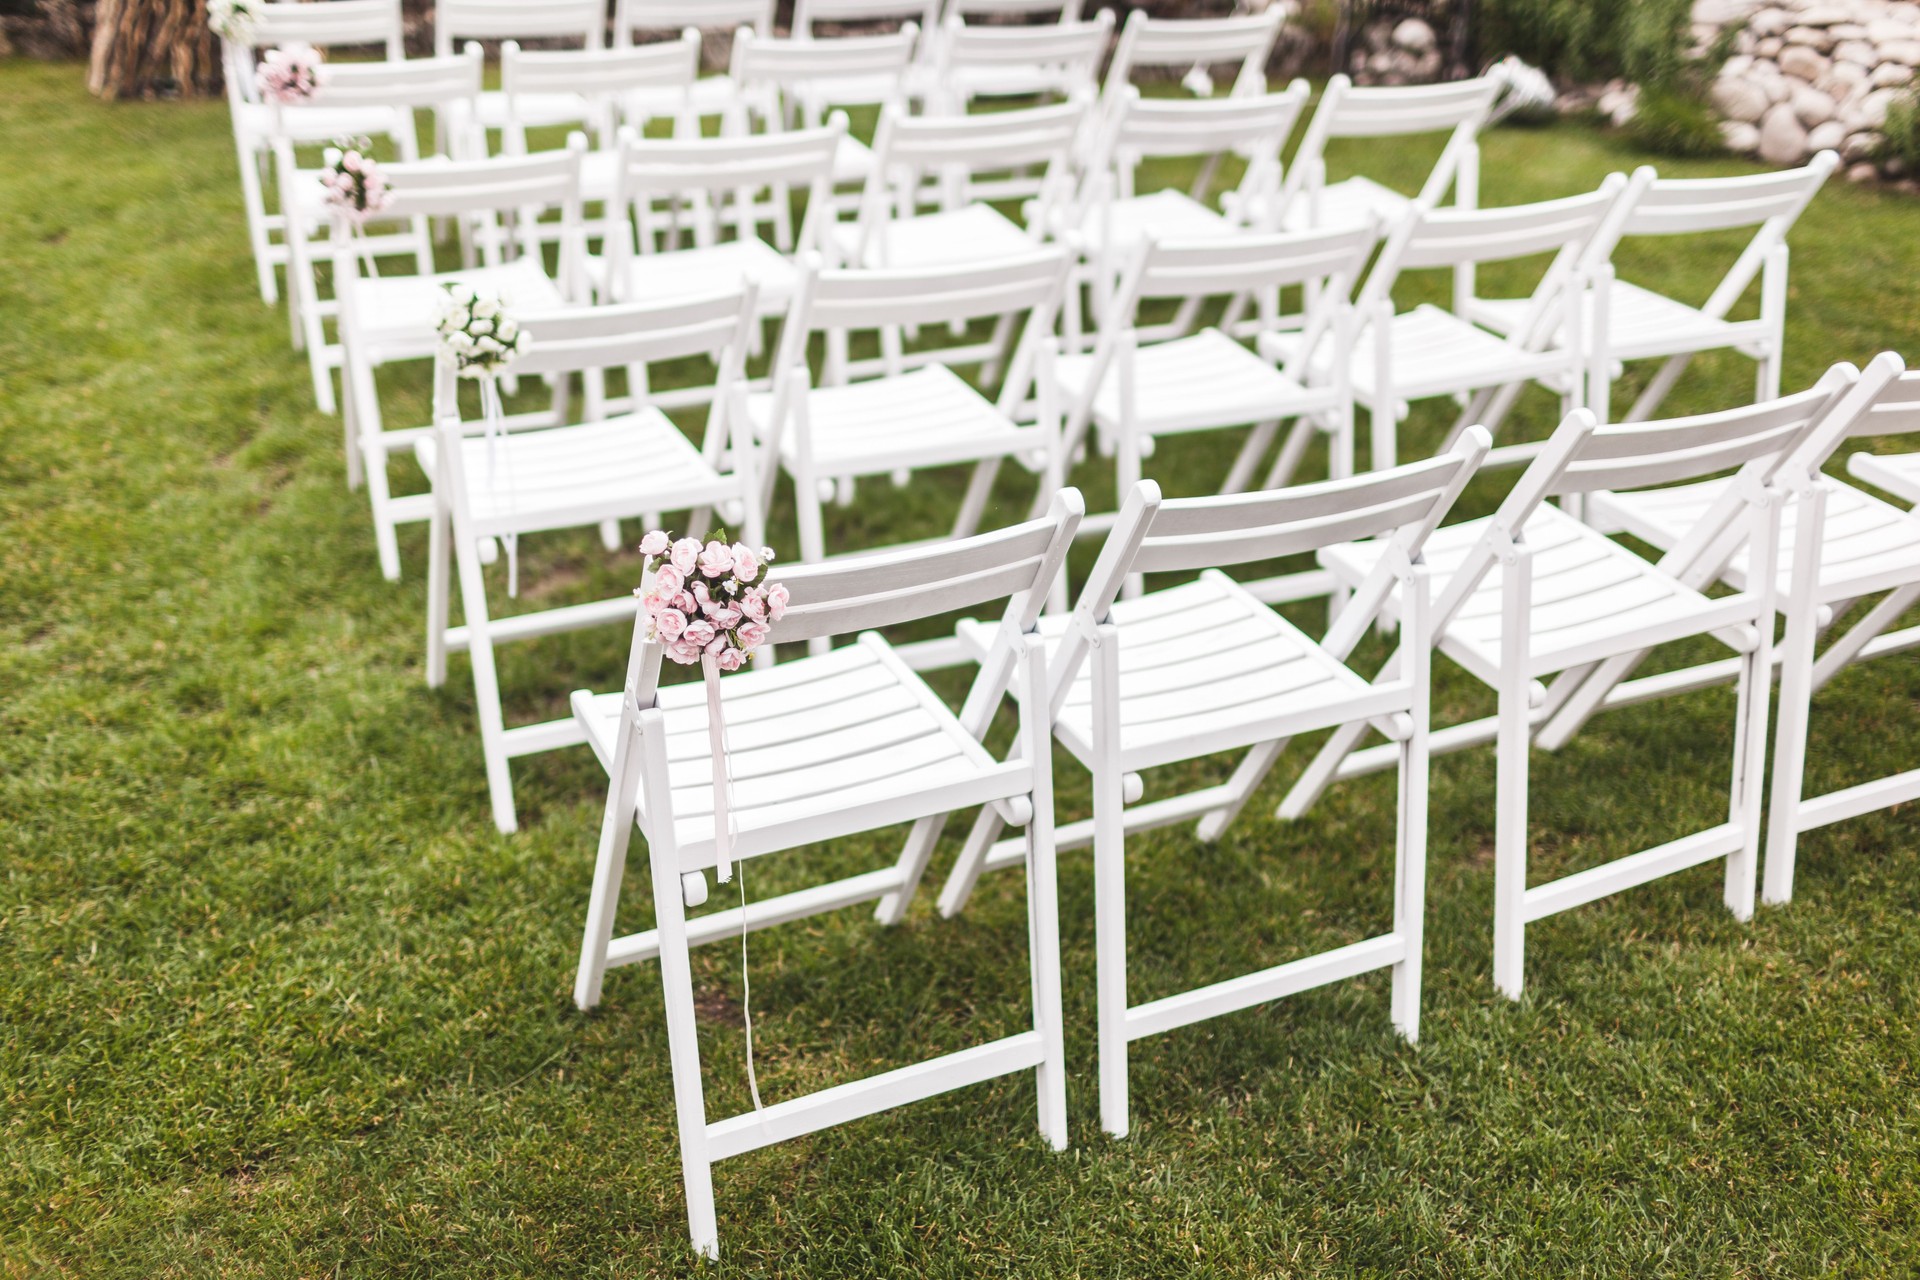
[[1346, 111], [1062, 11], [630, 16], [449, 87], [455, 20], [923, 13], [1182, 535], [607, 78], [812, 75], [1895, 412], [1065, 55], [1245, 41], [337, 24]]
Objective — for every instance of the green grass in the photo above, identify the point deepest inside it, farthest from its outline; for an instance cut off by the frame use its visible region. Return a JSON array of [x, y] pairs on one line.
[[276, 1000]]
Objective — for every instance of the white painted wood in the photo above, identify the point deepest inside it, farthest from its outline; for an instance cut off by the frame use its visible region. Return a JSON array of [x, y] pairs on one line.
[[825, 746], [577, 475]]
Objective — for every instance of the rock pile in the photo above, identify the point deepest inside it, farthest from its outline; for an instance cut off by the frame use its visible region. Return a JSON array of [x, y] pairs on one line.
[[1403, 52], [1811, 75]]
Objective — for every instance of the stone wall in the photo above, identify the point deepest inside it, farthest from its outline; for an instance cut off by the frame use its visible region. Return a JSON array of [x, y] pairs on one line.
[[1809, 75]]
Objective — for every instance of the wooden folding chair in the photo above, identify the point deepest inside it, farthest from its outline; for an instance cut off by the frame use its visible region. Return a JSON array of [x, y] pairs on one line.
[[1533, 595], [826, 747], [592, 469]]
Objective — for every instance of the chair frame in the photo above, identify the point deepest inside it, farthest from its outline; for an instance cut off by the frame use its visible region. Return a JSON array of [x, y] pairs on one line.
[[1018, 563], [1581, 458], [512, 187], [586, 342]]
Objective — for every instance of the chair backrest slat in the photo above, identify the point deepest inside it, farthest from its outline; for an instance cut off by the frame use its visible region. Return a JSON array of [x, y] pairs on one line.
[[1395, 111], [604, 337], [630, 16], [869, 298], [1065, 44], [337, 24], [1684, 206], [1208, 268], [436, 82], [1181, 42], [1895, 412], [455, 20], [1066, 11], [1257, 124], [793, 64], [595, 73], [890, 588], [1453, 237], [991, 141], [434, 188], [807, 12], [655, 166]]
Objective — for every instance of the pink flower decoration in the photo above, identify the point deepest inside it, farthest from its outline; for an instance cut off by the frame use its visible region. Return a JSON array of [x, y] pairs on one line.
[[684, 603], [725, 617], [684, 653], [751, 635], [777, 597], [669, 623], [730, 659], [746, 564], [753, 604], [716, 561], [654, 544], [686, 553], [699, 633], [668, 580]]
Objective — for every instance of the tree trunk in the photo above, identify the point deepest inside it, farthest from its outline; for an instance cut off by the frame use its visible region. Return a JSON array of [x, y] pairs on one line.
[[152, 48]]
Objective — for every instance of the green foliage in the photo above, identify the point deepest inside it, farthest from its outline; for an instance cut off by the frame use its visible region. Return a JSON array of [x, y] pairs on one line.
[[1901, 133], [1641, 40], [277, 1001], [1668, 123]]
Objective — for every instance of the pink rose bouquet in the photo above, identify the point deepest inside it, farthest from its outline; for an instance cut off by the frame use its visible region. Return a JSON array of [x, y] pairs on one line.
[[353, 180], [709, 598], [289, 76]]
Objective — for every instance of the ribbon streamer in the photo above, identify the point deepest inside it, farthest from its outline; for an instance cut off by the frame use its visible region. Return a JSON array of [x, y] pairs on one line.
[[723, 846], [496, 419]]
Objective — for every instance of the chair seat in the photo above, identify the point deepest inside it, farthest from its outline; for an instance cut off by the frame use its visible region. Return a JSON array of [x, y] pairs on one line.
[[1640, 323], [1202, 381], [1163, 215], [809, 740], [948, 238], [396, 314], [1865, 540], [690, 273], [1433, 352], [566, 477], [927, 418], [1897, 473], [536, 110], [1591, 596], [1179, 704], [1349, 203]]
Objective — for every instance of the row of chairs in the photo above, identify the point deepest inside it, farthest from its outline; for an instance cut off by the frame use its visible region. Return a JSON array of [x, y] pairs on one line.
[[1538, 603]]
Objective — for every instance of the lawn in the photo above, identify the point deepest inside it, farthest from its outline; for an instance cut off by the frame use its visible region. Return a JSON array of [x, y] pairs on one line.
[[277, 1000]]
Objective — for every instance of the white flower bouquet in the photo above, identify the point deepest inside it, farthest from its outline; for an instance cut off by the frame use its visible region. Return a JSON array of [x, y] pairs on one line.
[[478, 333], [233, 20], [353, 180], [289, 76]]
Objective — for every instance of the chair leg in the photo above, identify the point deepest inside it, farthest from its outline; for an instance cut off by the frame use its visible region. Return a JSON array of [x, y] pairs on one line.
[[683, 1051], [486, 687], [1251, 451], [979, 493], [380, 495], [1657, 389], [972, 861], [1292, 450], [1410, 860], [610, 864], [1247, 776], [1510, 792], [1789, 755], [924, 834], [1109, 886], [256, 205], [437, 597], [610, 534], [1043, 904]]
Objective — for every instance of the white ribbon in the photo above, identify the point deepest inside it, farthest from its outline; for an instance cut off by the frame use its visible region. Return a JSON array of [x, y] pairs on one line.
[[723, 845], [495, 416]]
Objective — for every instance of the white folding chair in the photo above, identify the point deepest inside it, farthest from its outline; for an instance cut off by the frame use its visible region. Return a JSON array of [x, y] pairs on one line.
[[1839, 546], [598, 469], [1429, 352], [958, 163], [823, 748], [801, 81], [974, 62], [1133, 394], [390, 318], [699, 177], [1897, 473], [1645, 324], [710, 95], [1533, 595], [1241, 44], [340, 24], [1458, 110], [455, 21], [1110, 216], [1129, 694], [444, 86], [631, 86], [917, 413]]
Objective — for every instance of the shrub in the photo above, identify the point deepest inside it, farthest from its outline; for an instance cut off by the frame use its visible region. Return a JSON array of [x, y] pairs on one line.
[[1642, 40], [1900, 135], [1671, 122]]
